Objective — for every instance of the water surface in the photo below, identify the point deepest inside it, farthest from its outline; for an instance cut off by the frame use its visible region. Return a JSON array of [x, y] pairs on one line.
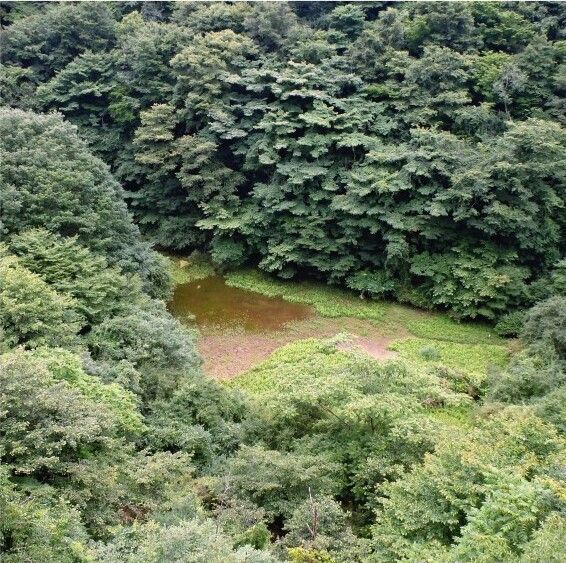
[[211, 303]]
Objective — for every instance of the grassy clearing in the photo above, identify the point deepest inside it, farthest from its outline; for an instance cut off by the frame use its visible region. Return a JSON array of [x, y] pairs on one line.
[[190, 269], [442, 327], [312, 369], [293, 365], [327, 301], [391, 318], [426, 339], [473, 359]]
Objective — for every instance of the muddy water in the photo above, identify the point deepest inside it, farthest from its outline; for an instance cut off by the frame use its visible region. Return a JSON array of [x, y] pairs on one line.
[[210, 303]]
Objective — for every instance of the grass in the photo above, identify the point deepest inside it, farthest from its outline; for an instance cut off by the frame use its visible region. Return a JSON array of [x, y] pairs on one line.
[[327, 301], [460, 416], [473, 359], [391, 318], [190, 269], [294, 365], [441, 327]]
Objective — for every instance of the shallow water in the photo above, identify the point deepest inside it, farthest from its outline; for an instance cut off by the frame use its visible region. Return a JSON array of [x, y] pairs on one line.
[[213, 304]]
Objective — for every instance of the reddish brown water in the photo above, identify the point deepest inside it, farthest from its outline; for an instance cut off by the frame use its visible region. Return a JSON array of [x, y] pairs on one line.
[[213, 304]]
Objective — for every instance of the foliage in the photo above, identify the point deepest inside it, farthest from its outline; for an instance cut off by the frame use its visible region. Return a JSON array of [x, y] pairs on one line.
[[190, 541], [71, 269], [327, 301], [144, 335], [31, 312], [474, 360], [278, 481], [510, 324], [369, 417], [545, 325], [537, 374], [377, 284], [470, 283], [319, 523], [200, 418], [412, 151], [48, 424], [123, 405], [38, 526], [50, 173], [487, 493]]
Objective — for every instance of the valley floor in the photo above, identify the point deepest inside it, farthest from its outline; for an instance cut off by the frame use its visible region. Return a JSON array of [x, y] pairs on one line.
[[246, 316]]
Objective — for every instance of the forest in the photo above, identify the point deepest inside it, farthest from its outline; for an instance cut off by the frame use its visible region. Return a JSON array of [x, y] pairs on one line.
[[378, 187]]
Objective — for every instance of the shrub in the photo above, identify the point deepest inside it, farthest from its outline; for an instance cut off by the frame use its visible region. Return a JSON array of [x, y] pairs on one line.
[[545, 325], [510, 324], [429, 353]]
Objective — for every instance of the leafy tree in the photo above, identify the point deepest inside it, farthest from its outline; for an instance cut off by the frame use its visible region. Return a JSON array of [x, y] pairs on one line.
[[546, 544], [271, 24], [502, 28], [333, 142], [144, 336], [199, 418], [497, 477], [82, 92], [48, 424], [31, 312], [471, 282], [48, 171], [320, 523], [545, 325], [49, 39], [277, 481], [190, 541], [98, 290], [38, 526]]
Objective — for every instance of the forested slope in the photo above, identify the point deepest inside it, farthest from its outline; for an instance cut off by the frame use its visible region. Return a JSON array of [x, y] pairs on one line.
[[412, 150], [406, 150]]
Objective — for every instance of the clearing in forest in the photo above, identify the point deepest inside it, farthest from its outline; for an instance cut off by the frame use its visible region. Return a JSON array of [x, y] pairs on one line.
[[245, 316]]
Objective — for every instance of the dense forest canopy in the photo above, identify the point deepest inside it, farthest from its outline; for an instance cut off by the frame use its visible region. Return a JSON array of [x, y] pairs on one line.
[[408, 151]]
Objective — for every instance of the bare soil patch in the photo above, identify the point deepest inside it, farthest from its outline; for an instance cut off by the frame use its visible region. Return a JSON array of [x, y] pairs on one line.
[[227, 354]]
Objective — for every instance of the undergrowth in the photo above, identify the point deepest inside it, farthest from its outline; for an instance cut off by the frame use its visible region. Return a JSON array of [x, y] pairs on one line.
[[293, 365], [189, 269], [327, 301], [472, 359], [442, 327]]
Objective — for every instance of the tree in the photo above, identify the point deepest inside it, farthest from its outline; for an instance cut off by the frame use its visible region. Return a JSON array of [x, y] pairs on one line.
[[277, 481], [48, 424], [48, 171], [189, 541], [39, 526], [545, 324], [199, 418], [46, 41], [96, 289], [492, 486], [31, 312]]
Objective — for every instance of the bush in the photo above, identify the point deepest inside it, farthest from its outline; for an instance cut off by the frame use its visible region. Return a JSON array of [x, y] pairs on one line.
[[545, 325], [376, 284], [510, 324], [429, 353]]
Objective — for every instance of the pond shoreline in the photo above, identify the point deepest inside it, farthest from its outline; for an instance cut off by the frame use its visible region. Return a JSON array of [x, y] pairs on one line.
[[244, 317]]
